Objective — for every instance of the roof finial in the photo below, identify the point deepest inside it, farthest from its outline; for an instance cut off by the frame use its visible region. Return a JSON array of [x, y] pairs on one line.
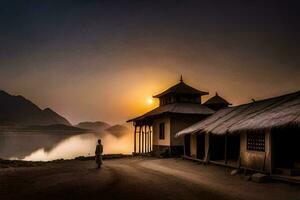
[[181, 80], [217, 94]]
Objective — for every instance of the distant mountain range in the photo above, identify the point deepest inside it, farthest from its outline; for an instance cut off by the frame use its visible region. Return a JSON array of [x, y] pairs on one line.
[[117, 130], [20, 114], [95, 126], [17, 110]]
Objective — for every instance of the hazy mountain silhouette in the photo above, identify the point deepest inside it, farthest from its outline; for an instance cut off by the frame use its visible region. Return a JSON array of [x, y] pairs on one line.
[[95, 126], [16, 110], [118, 130], [55, 127]]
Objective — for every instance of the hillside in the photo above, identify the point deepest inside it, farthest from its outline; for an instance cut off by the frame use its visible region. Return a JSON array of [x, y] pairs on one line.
[[95, 126], [17, 110], [55, 127], [118, 130]]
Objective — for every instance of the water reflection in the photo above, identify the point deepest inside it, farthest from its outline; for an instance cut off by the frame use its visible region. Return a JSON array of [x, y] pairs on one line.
[[45, 146]]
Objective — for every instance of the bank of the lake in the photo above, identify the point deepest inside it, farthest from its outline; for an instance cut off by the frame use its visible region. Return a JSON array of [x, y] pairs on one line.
[[53, 145]]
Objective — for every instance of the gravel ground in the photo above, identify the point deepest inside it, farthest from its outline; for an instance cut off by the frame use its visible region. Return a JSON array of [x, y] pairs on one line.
[[135, 178]]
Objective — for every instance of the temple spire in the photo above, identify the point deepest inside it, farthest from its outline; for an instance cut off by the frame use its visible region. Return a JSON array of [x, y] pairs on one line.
[[181, 80]]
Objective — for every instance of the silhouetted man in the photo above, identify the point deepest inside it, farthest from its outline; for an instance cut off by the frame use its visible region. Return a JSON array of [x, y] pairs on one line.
[[98, 154]]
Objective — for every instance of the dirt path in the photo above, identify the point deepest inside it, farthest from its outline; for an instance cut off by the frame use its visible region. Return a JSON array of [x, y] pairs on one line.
[[135, 178]]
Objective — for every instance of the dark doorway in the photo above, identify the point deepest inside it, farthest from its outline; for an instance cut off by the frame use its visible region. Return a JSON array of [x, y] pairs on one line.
[[286, 148], [233, 147], [187, 145], [200, 146], [217, 147]]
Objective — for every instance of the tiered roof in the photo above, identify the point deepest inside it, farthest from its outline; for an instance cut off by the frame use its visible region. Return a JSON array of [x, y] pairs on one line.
[[181, 88]]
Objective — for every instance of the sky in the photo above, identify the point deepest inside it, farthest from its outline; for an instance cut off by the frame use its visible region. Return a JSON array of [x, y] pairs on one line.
[[103, 60]]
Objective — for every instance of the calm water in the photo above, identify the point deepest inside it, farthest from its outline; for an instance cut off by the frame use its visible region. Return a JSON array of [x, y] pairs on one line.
[[37, 146]]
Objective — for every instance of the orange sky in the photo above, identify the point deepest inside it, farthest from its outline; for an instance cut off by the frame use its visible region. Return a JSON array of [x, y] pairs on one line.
[[115, 96], [94, 60]]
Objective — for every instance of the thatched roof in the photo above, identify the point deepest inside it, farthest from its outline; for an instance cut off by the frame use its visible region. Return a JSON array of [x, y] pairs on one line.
[[216, 100], [265, 114], [181, 88], [178, 108]]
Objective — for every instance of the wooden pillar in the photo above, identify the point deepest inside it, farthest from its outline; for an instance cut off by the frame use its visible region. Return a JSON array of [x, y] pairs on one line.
[[142, 139], [134, 148], [184, 152], [142, 133], [145, 138], [151, 138], [140, 142], [225, 152], [150, 147], [147, 144], [148, 140], [271, 150]]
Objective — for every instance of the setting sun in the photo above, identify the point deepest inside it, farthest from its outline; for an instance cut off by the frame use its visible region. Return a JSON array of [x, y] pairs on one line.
[[150, 101]]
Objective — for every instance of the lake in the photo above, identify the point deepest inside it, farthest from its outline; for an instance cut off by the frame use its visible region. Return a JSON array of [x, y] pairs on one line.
[[46, 146]]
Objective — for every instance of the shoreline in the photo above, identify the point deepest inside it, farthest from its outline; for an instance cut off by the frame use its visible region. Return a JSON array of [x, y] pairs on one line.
[[5, 163]]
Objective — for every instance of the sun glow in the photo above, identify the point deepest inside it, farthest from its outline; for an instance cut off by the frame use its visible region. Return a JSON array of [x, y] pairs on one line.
[[150, 101]]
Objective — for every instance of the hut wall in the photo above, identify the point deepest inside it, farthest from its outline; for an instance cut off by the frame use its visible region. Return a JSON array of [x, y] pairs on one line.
[[180, 122], [193, 145], [256, 160], [156, 123]]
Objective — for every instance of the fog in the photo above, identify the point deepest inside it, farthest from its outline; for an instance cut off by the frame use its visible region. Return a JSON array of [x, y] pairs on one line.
[[52, 146], [82, 145]]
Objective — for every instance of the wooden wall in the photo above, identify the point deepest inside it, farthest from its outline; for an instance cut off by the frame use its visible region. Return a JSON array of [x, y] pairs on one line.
[[167, 140], [256, 160], [180, 122]]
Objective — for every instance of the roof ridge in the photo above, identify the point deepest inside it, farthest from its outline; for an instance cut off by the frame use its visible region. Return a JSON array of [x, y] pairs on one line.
[[266, 99], [217, 99], [177, 108], [181, 88]]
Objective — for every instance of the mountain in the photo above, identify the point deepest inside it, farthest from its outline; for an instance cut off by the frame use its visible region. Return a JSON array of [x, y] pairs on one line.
[[55, 127], [117, 130], [55, 118], [95, 126], [18, 110]]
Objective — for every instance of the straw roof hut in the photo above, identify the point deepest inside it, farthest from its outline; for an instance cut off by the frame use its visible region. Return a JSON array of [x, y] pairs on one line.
[[265, 114], [261, 135]]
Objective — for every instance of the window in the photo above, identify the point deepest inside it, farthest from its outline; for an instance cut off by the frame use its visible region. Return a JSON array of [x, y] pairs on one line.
[[256, 142], [162, 131]]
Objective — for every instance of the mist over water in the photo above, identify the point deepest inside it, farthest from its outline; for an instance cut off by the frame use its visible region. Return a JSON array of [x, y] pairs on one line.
[[82, 145], [50, 146]]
